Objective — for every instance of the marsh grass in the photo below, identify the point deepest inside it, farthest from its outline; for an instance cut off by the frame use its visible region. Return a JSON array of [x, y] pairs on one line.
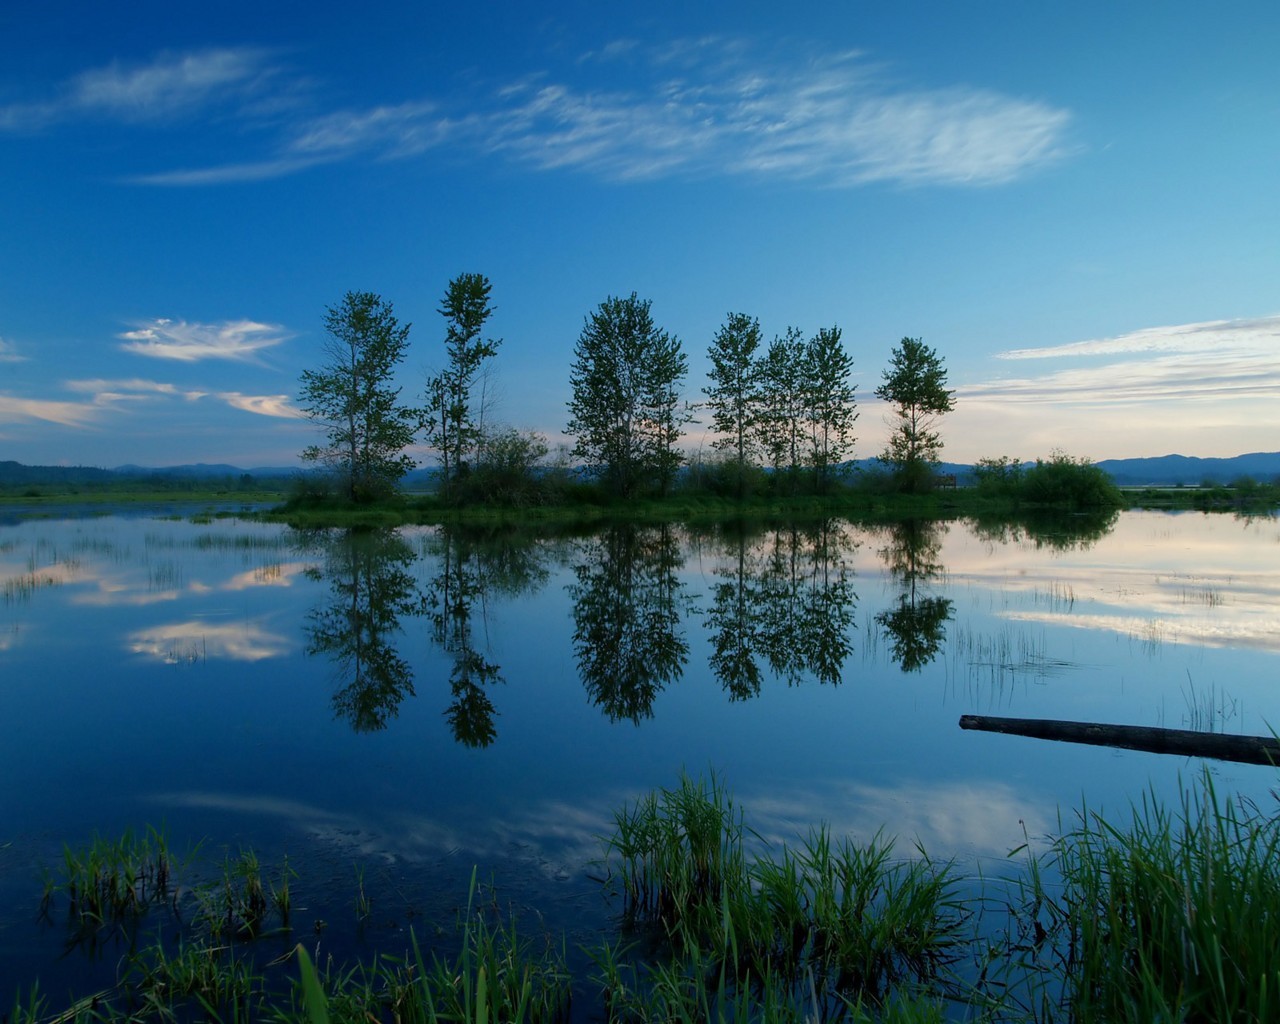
[[498, 975], [827, 925], [237, 904], [112, 880], [1173, 917]]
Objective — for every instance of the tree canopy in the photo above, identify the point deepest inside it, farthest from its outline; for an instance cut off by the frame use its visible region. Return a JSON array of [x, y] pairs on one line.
[[452, 421], [625, 410], [353, 395], [915, 384]]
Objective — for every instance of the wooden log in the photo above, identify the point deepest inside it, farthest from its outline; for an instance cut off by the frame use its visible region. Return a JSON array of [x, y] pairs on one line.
[[1184, 742]]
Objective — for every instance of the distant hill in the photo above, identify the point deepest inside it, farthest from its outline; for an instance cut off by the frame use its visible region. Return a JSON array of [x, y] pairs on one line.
[[15, 474], [1190, 470], [204, 470], [1166, 469]]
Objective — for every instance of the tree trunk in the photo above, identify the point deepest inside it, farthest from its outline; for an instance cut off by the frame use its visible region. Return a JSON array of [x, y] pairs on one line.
[[1183, 742]]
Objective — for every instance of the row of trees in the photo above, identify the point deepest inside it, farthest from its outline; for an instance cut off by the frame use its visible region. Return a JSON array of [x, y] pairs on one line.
[[790, 405]]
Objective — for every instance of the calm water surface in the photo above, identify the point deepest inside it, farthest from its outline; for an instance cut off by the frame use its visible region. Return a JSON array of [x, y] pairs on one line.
[[405, 705]]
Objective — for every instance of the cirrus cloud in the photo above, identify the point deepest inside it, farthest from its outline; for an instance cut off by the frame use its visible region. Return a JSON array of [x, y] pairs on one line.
[[168, 85], [136, 389], [239, 340], [694, 108]]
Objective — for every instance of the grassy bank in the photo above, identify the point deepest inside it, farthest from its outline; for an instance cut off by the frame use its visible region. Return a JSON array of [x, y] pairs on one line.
[[1173, 915]]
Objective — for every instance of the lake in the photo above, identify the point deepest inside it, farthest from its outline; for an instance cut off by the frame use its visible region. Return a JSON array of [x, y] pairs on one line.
[[393, 709]]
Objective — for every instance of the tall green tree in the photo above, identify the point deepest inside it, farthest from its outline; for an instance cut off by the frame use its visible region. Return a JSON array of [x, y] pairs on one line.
[[354, 396], [453, 422], [734, 393], [625, 412], [783, 400], [831, 405], [915, 383]]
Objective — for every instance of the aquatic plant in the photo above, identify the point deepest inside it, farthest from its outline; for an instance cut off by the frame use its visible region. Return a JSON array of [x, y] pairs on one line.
[[848, 917], [110, 880]]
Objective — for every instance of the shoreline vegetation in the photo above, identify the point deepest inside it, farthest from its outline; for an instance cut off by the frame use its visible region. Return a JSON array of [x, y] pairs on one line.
[[996, 489], [1169, 914]]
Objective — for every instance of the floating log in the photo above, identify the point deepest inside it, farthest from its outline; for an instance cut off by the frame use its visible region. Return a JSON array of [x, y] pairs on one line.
[[1184, 742]]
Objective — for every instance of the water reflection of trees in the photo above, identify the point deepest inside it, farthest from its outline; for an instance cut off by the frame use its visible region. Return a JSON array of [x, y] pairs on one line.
[[627, 605], [472, 569], [371, 587], [784, 596], [1054, 530], [917, 624]]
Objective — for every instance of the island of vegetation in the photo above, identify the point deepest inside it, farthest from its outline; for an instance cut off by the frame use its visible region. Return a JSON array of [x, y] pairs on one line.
[[780, 418]]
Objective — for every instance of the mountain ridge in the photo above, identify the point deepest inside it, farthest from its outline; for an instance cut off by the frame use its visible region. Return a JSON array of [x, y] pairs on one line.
[[1161, 469]]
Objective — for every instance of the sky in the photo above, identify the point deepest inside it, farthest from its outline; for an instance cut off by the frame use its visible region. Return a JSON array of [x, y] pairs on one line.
[[1074, 204]]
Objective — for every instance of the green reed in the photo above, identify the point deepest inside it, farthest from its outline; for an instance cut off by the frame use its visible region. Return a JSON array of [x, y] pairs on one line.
[[675, 851], [111, 880], [849, 918], [1176, 917], [1173, 915], [498, 975]]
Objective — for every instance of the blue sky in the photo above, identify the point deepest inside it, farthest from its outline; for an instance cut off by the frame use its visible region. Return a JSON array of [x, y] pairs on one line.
[[1075, 204]]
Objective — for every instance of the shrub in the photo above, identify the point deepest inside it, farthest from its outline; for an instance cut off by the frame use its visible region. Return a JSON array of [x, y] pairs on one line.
[[1069, 483], [998, 477]]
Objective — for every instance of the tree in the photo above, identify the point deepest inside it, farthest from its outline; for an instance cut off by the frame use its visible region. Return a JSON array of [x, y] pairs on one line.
[[368, 430], [733, 395], [783, 401], [830, 411], [451, 420], [915, 383], [625, 411]]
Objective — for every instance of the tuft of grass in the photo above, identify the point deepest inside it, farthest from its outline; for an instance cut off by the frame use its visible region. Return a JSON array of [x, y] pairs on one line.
[[1176, 917], [497, 976], [852, 920], [114, 880]]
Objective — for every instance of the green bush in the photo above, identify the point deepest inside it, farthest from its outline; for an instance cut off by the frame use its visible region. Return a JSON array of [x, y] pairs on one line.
[[1065, 482], [998, 477]]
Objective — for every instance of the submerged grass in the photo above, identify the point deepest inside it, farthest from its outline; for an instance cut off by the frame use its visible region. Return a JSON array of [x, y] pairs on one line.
[[1176, 917], [1173, 915], [828, 926]]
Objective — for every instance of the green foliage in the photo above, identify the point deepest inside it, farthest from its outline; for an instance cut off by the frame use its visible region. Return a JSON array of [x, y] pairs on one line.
[[998, 477], [1173, 917], [915, 384], [783, 401], [368, 430], [1065, 482], [451, 421], [733, 395], [625, 411], [1169, 914], [510, 472], [847, 918], [829, 413]]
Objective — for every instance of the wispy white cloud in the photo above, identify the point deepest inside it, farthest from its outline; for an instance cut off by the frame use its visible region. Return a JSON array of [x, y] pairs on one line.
[[697, 108], [239, 340], [279, 406], [137, 389], [1258, 336], [833, 121], [67, 414], [9, 353], [1214, 361], [169, 85], [134, 389]]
